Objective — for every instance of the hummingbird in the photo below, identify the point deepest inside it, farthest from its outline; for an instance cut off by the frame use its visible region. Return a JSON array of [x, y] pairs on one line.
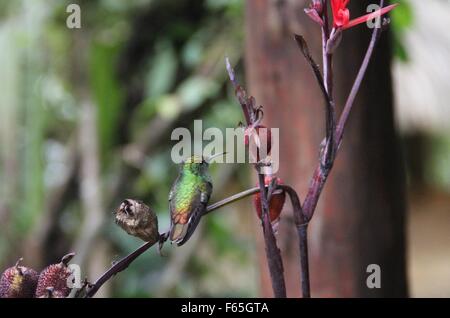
[[138, 219], [189, 197]]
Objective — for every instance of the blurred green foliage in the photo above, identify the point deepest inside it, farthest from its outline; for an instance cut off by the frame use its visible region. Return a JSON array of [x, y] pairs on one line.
[[148, 62], [402, 19], [151, 65]]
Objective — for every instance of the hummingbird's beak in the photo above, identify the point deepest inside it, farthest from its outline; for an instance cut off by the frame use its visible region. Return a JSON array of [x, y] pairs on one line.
[[208, 160]]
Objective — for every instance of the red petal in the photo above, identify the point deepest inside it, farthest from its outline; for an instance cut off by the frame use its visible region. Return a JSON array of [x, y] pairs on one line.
[[369, 16]]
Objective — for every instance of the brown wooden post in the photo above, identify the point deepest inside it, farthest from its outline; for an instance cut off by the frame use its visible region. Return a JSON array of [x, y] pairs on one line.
[[360, 219]]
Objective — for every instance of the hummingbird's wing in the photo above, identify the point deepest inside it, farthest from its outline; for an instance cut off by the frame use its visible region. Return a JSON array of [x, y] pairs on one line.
[[184, 222]]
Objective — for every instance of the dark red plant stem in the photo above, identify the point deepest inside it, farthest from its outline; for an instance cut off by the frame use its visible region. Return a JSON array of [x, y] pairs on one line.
[[301, 223], [301, 42], [117, 268], [321, 173], [327, 58], [302, 232], [274, 260], [315, 189], [240, 93], [356, 85], [273, 254], [327, 69]]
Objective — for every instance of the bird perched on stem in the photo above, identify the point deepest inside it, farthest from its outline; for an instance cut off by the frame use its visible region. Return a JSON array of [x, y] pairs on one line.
[[138, 219], [189, 197]]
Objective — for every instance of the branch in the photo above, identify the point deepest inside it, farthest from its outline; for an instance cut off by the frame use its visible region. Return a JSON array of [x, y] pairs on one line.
[[320, 175], [356, 85], [329, 149], [117, 267], [273, 254], [301, 223], [231, 199], [247, 107], [301, 43]]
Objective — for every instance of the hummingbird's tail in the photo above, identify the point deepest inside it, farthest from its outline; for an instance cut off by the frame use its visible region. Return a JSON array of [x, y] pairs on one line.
[[177, 232], [180, 233]]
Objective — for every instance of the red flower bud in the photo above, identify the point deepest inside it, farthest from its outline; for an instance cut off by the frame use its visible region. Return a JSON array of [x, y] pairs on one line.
[[315, 11], [341, 14], [276, 202]]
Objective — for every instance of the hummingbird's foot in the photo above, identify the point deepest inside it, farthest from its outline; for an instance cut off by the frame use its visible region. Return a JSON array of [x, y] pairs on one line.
[[266, 162], [162, 239], [263, 163]]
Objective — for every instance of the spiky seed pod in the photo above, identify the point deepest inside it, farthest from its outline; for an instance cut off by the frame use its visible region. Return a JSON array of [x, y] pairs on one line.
[[50, 292], [137, 219], [18, 282], [276, 202], [53, 279]]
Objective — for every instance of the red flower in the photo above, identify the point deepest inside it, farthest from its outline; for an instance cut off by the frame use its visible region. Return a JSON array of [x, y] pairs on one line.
[[341, 14], [276, 202]]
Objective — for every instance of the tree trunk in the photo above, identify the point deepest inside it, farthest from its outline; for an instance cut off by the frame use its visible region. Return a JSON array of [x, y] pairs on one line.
[[360, 218]]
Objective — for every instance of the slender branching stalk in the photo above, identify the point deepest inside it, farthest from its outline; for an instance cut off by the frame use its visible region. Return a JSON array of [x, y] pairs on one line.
[[273, 254], [302, 213]]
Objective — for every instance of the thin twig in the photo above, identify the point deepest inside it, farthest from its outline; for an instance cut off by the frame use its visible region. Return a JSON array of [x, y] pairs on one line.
[[329, 149], [273, 255], [320, 175], [356, 85], [301, 223], [240, 94], [231, 199], [301, 43], [327, 62], [117, 267]]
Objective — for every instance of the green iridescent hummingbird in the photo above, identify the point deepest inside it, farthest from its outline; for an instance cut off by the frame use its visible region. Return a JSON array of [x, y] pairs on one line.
[[189, 197]]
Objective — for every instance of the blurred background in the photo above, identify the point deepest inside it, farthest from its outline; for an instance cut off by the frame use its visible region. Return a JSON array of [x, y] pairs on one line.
[[85, 122]]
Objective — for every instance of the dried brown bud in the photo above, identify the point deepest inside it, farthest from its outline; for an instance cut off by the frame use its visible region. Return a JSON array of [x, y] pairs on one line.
[[18, 282], [276, 202], [317, 5], [137, 219], [53, 280], [315, 11]]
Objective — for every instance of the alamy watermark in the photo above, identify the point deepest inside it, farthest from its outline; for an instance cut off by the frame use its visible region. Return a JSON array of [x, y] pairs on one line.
[[374, 279], [239, 145], [376, 21], [73, 21]]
